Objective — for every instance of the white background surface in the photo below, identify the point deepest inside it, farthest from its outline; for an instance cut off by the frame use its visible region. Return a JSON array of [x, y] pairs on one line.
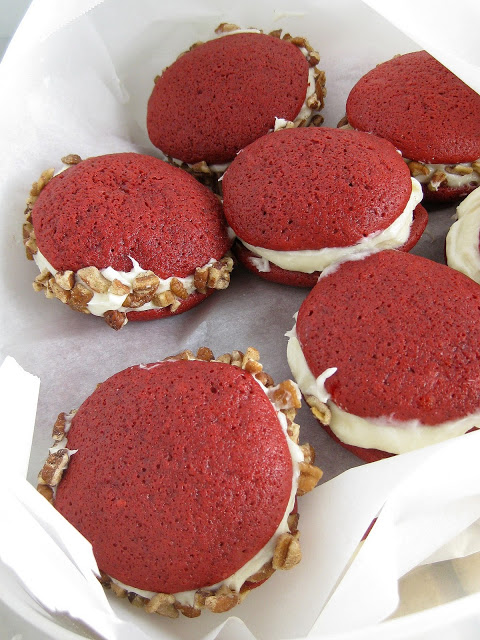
[[249, 305]]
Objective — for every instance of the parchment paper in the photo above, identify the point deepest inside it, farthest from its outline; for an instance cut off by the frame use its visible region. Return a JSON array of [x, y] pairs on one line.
[[76, 80]]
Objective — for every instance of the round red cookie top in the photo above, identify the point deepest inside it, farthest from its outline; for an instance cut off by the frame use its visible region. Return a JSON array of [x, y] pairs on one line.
[[404, 334], [421, 107], [225, 93], [310, 188], [182, 474], [108, 209]]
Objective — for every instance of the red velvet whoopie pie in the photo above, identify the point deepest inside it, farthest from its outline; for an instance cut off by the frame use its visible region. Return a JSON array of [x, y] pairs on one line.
[[128, 237], [183, 475], [386, 351], [299, 200], [223, 94]]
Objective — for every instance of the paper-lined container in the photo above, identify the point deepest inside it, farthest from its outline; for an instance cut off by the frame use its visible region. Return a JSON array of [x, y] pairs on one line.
[[76, 79]]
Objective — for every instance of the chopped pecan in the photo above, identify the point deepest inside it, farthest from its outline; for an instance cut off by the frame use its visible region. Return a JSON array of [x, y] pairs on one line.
[[319, 409], [316, 121], [187, 610], [343, 122], [57, 291], [226, 358], [309, 476], [285, 395], [54, 467], [436, 180], [146, 281], [237, 358], [115, 319], [31, 245], [223, 600], [118, 288], [459, 169], [27, 230], [163, 604], [41, 280], [265, 379], [186, 354], [277, 33], [250, 354], [177, 288], [226, 27], [46, 492], [313, 102], [308, 453], [80, 297], [92, 277], [287, 552], [218, 276], [201, 167], [65, 279], [120, 592], [418, 168], [136, 599], [71, 158], [163, 299], [105, 579], [37, 186], [200, 279], [476, 166], [174, 306], [204, 353], [137, 299], [253, 367], [292, 522], [58, 432], [293, 430]]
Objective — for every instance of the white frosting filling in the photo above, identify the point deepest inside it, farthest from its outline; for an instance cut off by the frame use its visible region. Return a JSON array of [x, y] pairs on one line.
[[383, 433], [463, 238], [308, 261], [102, 302], [236, 580], [453, 179]]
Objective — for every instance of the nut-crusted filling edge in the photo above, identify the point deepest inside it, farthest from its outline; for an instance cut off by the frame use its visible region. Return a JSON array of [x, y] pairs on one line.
[[287, 552], [77, 289], [436, 175], [210, 175]]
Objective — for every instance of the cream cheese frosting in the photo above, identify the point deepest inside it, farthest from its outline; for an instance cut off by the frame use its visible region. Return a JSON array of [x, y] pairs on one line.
[[102, 302], [308, 261], [383, 432], [453, 179], [462, 243]]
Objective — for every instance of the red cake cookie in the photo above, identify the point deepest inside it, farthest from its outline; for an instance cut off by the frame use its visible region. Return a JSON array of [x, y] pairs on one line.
[[429, 114], [300, 200], [126, 236], [227, 92], [387, 353], [184, 478]]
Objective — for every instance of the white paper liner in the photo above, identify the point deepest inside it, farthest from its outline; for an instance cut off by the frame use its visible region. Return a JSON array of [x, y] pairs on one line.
[[75, 80]]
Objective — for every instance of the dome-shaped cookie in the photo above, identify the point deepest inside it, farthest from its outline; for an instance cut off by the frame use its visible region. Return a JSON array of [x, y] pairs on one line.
[[225, 93], [429, 114]]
